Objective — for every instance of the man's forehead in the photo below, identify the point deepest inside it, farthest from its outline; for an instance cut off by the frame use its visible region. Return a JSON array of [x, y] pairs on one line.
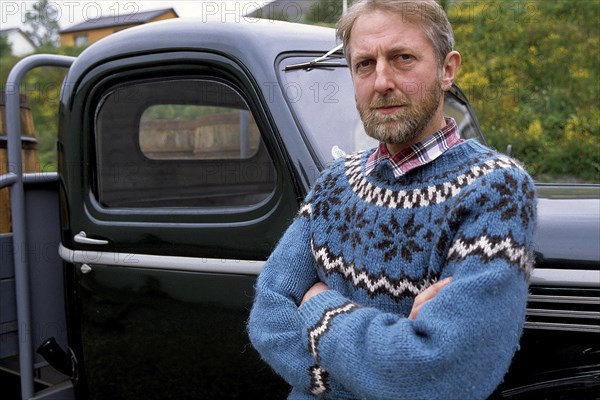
[[379, 28]]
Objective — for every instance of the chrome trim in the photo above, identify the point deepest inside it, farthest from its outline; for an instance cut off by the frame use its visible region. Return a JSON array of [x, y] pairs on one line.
[[563, 313], [171, 263], [565, 277], [580, 380], [82, 238], [538, 312], [546, 277], [562, 327], [541, 298]]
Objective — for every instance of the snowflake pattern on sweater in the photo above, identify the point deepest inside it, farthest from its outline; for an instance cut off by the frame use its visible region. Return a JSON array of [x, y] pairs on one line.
[[378, 242]]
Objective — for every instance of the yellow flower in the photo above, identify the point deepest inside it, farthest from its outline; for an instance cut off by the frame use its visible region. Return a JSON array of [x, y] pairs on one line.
[[534, 131]]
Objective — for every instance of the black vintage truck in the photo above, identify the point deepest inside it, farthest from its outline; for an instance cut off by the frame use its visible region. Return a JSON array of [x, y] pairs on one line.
[[184, 151]]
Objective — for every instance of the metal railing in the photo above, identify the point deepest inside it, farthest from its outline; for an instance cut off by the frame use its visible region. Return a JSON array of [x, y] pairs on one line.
[[14, 179]]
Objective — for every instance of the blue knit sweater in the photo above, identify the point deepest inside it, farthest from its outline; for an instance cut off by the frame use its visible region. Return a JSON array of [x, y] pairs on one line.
[[377, 242]]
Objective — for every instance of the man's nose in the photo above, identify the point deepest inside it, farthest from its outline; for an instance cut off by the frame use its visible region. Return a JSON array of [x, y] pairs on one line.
[[384, 81]]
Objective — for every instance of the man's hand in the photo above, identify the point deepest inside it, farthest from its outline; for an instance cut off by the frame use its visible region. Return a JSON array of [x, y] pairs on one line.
[[314, 290], [421, 299], [425, 296]]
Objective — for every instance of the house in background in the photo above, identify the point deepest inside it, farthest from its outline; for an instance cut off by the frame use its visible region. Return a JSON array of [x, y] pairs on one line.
[[92, 30], [20, 44]]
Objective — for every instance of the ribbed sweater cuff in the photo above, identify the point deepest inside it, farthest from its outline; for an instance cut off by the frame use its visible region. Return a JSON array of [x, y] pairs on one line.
[[312, 311]]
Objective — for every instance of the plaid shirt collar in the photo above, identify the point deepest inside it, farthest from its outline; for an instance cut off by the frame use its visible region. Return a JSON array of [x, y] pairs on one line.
[[418, 154]]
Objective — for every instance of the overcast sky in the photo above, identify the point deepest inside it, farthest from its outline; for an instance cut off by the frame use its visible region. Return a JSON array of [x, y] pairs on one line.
[[71, 12]]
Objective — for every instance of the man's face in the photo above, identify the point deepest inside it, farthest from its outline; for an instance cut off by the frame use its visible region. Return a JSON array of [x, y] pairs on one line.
[[397, 79]]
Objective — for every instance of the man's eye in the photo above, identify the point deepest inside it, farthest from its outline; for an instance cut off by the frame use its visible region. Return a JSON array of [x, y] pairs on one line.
[[363, 64], [405, 57]]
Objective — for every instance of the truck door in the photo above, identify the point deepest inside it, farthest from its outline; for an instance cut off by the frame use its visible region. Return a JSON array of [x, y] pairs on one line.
[[176, 192]]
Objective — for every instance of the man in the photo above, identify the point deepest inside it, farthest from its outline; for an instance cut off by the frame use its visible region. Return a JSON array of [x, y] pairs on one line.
[[404, 275]]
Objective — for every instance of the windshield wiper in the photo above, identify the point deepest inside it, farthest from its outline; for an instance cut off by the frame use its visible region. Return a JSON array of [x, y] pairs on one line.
[[319, 62]]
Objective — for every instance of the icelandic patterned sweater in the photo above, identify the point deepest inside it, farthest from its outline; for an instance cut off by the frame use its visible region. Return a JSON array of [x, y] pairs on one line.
[[377, 242]]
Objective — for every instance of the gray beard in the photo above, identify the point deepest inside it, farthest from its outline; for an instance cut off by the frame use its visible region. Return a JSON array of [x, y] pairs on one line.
[[401, 127]]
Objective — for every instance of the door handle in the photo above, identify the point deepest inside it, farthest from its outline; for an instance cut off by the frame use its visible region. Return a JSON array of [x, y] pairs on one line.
[[82, 238]]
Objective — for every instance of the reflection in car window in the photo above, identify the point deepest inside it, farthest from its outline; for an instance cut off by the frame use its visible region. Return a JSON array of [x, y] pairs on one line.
[[171, 131], [323, 101]]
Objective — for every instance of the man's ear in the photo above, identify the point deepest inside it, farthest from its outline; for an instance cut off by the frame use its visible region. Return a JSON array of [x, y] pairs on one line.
[[450, 69]]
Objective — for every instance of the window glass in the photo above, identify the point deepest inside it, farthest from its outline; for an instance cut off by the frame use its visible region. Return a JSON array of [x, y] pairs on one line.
[[323, 101], [81, 40], [171, 131], [180, 143]]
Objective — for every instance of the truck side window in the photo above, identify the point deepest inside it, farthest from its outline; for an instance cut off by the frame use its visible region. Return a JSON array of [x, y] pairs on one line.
[[180, 143], [176, 132]]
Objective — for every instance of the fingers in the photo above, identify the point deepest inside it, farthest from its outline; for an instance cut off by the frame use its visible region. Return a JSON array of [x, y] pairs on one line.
[[433, 290], [427, 295], [314, 290]]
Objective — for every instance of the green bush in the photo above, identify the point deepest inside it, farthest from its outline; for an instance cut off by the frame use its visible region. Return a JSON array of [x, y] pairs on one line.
[[531, 71]]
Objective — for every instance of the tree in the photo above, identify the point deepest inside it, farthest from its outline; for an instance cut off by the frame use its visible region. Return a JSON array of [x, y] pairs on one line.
[[43, 24], [444, 4], [531, 72], [5, 48], [325, 11], [329, 11]]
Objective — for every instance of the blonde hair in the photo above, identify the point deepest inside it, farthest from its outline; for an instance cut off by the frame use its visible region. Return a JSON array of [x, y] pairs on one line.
[[426, 13]]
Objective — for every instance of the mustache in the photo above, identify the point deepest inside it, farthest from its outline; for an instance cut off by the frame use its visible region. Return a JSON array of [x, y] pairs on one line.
[[388, 101]]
